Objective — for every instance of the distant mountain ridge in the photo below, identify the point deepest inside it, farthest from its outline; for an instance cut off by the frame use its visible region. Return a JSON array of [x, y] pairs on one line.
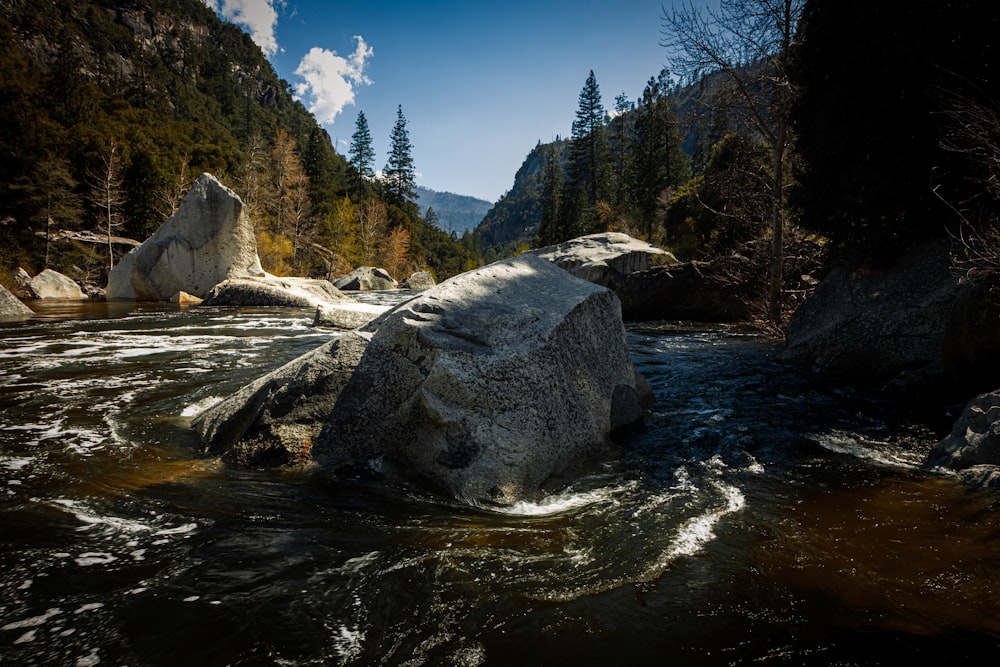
[[455, 213]]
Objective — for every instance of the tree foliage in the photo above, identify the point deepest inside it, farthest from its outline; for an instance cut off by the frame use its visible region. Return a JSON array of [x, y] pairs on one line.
[[877, 82]]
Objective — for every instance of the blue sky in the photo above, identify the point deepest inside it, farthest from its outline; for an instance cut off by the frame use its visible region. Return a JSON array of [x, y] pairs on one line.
[[480, 83]]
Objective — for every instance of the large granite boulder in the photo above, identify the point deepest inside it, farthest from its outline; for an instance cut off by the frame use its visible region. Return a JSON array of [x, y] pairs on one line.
[[366, 278], [274, 291], [209, 239], [874, 324], [51, 284], [604, 259], [11, 308], [488, 387]]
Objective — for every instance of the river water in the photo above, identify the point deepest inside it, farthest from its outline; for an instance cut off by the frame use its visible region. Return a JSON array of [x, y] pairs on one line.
[[763, 515]]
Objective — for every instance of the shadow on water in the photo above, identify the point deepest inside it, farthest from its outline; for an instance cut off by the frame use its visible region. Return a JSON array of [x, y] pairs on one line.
[[763, 515]]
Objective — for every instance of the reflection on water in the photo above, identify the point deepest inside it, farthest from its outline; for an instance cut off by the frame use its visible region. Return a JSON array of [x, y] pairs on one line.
[[763, 515]]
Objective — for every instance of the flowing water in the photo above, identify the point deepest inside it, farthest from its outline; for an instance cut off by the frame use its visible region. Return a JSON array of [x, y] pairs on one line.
[[763, 515]]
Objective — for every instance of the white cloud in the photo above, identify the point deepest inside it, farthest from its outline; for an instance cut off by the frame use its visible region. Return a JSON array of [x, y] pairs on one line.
[[259, 17], [329, 80]]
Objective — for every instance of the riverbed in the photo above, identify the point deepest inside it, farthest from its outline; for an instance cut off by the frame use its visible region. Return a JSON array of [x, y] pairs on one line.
[[763, 515]]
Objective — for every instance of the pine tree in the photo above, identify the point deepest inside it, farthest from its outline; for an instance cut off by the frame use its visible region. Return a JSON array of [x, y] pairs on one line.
[[549, 231], [658, 162], [362, 155], [586, 168], [399, 174]]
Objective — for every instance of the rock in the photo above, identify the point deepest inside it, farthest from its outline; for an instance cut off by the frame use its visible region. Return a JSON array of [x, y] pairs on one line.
[[209, 239], [419, 281], [975, 437], [604, 259], [274, 291], [185, 299], [365, 279], [347, 315], [11, 307], [487, 387], [876, 324], [51, 284], [686, 291], [21, 279], [277, 419], [982, 476]]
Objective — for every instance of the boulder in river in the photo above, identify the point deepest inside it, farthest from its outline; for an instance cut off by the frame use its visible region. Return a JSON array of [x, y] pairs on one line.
[[274, 291], [419, 281], [209, 239], [973, 447], [11, 308], [347, 314], [488, 387], [365, 279], [873, 324], [51, 284], [605, 258]]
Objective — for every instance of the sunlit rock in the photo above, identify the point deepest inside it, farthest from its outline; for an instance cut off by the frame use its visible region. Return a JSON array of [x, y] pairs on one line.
[[209, 239], [11, 308], [274, 291], [419, 281], [604, 259], [487, 387], [51, 284], [347, 314], [366, 278]]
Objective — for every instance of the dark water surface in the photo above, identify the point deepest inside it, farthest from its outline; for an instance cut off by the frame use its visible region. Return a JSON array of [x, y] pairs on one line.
[[763, 516]]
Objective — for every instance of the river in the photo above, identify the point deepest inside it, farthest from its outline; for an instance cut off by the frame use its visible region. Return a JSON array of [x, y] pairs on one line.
[[763, 515]]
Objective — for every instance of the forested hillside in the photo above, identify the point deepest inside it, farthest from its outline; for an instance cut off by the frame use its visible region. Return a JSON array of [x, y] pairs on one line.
[[111, 109]]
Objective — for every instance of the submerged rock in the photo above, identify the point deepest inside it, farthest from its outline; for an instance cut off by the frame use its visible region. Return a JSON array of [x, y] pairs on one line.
[[11, 308], [365, 279], [604, 259], [274, 291], [486, 387], [51, 284], [209, 239]]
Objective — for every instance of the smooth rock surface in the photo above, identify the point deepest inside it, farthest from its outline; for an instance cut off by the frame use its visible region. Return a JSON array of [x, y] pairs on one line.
[[604, 259], [488, 388], [366, 278], [208, 240], [51, 284], [11, 308], [274, 291]]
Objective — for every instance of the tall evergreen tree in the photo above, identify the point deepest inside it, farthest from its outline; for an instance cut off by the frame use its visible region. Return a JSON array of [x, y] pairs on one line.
[[362, 155], [549, 231], [658, 162], [588, 150], [398, 173]]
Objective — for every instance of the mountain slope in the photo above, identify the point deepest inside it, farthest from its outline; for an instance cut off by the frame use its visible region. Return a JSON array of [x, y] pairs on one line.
[[455, 213]]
